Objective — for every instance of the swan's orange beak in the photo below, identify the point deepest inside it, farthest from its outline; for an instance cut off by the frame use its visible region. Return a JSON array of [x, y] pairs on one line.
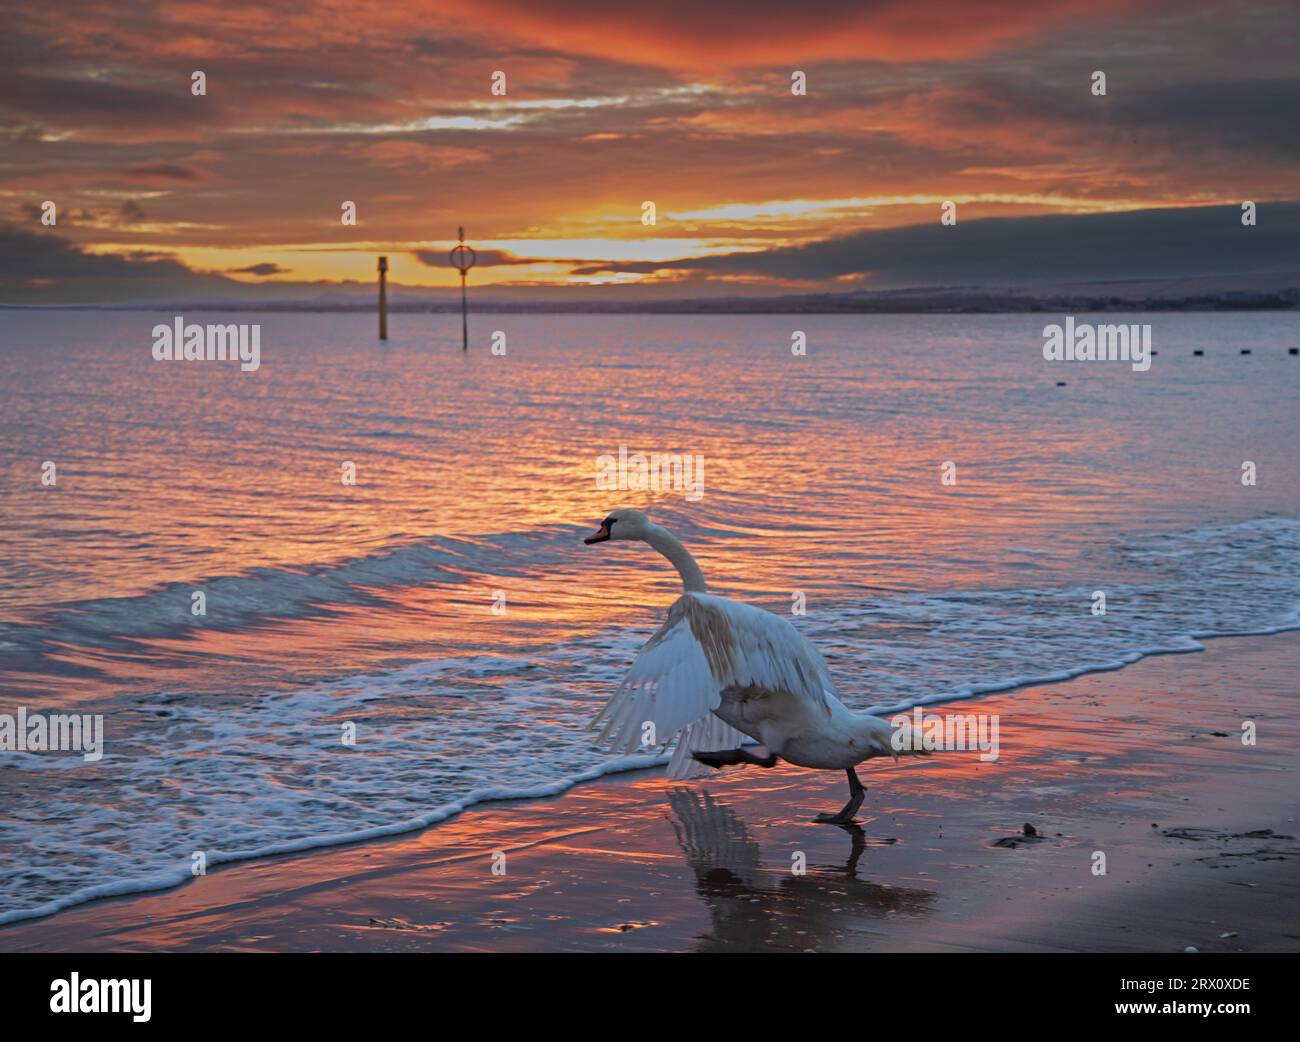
[[599, 536]]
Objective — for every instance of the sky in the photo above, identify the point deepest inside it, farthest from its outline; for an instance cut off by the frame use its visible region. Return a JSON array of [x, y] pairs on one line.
[[160, 192]]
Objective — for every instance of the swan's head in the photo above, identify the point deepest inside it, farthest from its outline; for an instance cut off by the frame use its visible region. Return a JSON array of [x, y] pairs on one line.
[[620, 524]]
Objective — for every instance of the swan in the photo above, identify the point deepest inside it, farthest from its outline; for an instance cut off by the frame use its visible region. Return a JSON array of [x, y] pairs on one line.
[[719, 671]]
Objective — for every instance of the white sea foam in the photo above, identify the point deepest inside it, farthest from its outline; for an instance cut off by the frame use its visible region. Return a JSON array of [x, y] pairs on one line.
[[437, 736]]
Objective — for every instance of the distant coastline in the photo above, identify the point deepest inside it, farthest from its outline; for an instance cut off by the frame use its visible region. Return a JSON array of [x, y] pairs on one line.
[[911, 301]]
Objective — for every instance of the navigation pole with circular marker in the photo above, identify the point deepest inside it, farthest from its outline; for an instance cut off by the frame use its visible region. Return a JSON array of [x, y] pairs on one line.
[[463, 258]]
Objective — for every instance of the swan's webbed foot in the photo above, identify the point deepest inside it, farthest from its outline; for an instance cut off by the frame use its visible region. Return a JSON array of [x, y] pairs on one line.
[[843, 817], [756, 755], [845, 814]]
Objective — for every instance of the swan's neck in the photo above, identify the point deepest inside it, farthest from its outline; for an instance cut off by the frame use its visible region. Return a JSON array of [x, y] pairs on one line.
[[666, 543]]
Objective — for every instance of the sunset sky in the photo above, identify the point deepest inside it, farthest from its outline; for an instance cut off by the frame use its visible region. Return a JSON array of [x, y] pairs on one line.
[[689, 105]]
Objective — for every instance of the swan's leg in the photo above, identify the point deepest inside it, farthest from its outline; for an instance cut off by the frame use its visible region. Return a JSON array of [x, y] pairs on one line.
[[757, 755], [845, 816]]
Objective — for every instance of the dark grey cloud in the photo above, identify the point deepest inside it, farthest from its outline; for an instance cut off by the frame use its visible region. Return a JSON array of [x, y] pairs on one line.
[[1060, 247], [1251, 116], [39, 255], [163, 172], [43, 266], [265, 268], [483, 259], [60, 99]]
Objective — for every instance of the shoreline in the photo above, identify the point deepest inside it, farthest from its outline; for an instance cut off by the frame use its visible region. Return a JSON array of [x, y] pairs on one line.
[[633, 861], [611, 769]]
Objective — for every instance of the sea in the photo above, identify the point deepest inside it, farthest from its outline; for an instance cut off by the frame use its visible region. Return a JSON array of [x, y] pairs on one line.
[[345, 594]]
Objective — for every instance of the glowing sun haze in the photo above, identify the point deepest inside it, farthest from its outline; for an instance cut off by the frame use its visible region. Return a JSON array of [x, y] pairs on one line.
[[909, 103]]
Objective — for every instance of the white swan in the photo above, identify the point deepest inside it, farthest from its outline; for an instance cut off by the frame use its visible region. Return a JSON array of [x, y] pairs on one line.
[[720, 670]]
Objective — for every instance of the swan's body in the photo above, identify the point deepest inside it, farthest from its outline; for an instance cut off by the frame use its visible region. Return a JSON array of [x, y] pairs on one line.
[[719, 671]]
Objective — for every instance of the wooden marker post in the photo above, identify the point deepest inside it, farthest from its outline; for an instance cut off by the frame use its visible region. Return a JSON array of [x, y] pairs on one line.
[[383, 298]]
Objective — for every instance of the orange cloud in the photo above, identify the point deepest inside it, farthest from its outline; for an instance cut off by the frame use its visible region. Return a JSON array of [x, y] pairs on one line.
[[401, 153], [693, 36]]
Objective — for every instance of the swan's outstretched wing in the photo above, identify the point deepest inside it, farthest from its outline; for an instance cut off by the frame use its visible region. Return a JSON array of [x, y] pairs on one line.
[[709, 644]]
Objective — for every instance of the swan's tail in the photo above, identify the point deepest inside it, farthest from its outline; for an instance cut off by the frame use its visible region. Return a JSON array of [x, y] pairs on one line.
[[888, 740]]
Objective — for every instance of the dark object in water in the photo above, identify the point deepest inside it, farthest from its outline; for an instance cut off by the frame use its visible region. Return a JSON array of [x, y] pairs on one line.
[[1060, 383], [1293, 351], [1028, 835], [1245, 350], [1198, 351]]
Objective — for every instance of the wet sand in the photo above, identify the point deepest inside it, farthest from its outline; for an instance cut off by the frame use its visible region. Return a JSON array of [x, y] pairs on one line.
[[1145, 765]]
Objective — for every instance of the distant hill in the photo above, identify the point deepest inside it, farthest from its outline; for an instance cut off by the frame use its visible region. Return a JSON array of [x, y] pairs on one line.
[[1210, 293]]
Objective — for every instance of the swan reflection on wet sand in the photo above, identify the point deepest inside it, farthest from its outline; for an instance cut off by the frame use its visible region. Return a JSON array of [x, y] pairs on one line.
[[755, 908]]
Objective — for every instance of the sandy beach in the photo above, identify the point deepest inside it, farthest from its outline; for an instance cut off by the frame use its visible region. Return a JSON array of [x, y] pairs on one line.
[[1145, 765]]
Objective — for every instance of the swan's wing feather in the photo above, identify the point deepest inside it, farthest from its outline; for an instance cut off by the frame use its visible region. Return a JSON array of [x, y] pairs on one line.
[[669, 684], [709, 733], [706, 645], [774, 656]]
